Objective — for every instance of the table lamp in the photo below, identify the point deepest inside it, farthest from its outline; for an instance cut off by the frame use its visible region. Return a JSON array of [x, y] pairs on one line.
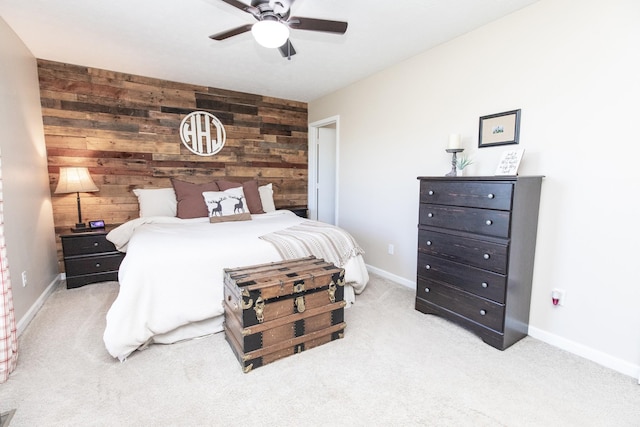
[[76, 180]]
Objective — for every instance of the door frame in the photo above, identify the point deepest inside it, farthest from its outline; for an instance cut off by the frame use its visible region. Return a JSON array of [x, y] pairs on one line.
[[312, 167]]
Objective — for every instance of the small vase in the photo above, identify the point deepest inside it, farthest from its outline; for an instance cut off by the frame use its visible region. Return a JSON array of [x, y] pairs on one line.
[[460, 172]]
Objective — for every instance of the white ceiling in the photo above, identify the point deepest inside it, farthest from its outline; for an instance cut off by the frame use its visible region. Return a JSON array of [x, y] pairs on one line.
[[168, 39]]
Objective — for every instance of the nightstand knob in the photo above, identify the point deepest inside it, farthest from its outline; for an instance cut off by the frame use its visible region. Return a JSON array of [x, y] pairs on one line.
[[95, 243], [430, 192], [428, 267], [428, 242], [491, 195], [430, 215], [486, 256], [427, 290], [488, 222], [485, 285], [97, 264], [483, 312]]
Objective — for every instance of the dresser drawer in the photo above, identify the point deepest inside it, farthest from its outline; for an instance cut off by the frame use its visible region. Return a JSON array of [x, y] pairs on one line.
[[92, 264], [489, 195], [483, 283], [479, 310], [86, 244], [477, 253], [472, 220]]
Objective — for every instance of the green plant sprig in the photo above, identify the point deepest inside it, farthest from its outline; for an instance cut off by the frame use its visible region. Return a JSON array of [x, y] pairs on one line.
[[463, 162]]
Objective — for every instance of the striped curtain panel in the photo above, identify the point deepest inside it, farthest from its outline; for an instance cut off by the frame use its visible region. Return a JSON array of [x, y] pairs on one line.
[[8, 335]]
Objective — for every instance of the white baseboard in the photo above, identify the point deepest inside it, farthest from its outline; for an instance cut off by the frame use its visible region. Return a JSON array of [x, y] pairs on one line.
[[581, 350], [400, 280], [28, 317], [588, 353]]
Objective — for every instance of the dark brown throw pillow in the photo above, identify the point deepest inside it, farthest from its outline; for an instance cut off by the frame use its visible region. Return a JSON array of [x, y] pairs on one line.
[[251, 193], [189, 196]]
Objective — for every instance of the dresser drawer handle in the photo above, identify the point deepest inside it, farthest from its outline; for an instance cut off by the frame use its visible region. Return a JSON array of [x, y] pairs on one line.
[[430, 215], [491, 195], [427, 290], [95, 244], [430, 192], [429, 243], [483, 312], [486, 256], [488, 222], [97, 264], [485, 285], [428, 267]]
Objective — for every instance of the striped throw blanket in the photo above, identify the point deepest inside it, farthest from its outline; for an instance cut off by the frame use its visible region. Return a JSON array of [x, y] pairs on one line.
[[324, 241]]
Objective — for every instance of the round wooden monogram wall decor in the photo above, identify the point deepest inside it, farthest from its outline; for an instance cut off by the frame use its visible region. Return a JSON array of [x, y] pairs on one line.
[[202, 133]]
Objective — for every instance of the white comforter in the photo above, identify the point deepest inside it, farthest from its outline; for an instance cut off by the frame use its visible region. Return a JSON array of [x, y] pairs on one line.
[[171, 281]]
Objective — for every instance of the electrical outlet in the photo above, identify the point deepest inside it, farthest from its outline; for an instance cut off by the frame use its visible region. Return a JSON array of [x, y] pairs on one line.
[[391, 249], [559, 297], [24, 279]]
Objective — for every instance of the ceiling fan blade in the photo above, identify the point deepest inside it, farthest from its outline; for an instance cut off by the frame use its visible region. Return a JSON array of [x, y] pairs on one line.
[[287, 50], [230, 33], [243, 7], [312, 24]]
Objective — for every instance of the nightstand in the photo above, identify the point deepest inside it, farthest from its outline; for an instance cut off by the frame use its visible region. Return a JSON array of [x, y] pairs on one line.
[[89, 258], [301, 211]]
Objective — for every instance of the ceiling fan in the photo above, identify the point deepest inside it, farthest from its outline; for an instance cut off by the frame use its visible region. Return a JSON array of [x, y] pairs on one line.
[[274, 22]]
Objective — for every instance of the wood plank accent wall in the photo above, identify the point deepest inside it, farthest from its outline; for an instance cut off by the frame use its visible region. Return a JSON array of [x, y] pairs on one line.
[[124, 128]]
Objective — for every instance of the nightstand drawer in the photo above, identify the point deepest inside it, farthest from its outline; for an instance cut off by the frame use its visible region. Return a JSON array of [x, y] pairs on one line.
[[489, 195], [78, 281], [480, 221], [483, 283], [479, 310], [78, 266], [85, 244], [477, 253]]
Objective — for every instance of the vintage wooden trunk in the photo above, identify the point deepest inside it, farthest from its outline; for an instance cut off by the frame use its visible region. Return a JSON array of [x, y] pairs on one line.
[[278, 309]]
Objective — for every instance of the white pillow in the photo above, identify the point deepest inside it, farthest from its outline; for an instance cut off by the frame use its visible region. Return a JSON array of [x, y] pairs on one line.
[[266, 197], [228, 205], [156, 201]]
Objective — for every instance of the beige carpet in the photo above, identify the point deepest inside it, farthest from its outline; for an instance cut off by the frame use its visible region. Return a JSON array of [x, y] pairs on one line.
[[395, 367]]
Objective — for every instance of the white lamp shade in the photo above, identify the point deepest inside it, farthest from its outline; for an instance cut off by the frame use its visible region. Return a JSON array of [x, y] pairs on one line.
[[75, 180], [270, 34]]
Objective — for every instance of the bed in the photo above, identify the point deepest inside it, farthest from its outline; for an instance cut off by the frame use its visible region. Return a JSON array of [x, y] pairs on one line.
[[171, 279]]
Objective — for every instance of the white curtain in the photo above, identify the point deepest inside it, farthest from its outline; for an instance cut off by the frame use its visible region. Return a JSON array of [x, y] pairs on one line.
[[8, 335]]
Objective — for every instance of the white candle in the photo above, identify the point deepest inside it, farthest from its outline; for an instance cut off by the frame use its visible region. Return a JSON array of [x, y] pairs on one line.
[[454, 141]]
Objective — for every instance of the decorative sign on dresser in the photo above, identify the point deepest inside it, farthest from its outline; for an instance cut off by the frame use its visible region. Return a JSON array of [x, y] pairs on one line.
[[476, 247]]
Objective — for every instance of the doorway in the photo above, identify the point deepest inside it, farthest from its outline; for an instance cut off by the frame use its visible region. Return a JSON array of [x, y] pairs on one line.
[[323, 170]]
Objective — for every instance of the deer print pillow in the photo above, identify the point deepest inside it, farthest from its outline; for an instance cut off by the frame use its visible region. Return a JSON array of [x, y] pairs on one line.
[[228, 205]]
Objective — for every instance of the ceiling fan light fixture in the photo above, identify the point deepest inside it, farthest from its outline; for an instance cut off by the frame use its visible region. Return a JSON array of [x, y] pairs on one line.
[[270, 33]]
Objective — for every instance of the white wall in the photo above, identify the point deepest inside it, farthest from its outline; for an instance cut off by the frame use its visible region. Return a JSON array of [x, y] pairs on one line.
[[28, 216], [573, 68]]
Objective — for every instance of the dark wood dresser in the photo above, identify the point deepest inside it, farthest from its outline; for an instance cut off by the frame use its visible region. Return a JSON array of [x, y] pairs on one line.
[[89, 258], [476, 247]]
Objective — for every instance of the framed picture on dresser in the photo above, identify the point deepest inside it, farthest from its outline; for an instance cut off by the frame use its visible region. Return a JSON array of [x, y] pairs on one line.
[[499, 129]]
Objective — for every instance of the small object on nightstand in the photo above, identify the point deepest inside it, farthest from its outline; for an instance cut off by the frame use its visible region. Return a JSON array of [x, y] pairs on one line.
[[97, 224]]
